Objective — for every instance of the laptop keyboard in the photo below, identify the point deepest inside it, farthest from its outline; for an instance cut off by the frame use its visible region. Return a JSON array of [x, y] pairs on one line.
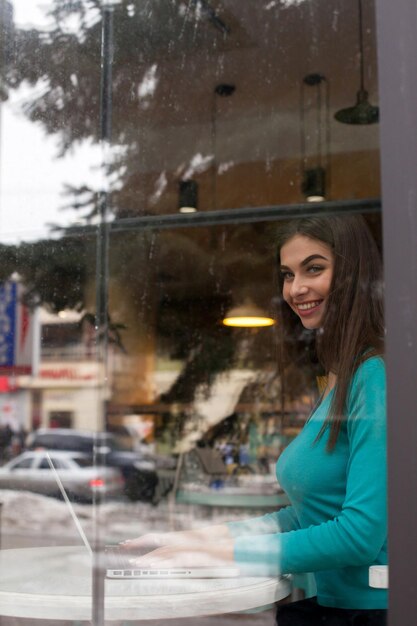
[[118, 558]]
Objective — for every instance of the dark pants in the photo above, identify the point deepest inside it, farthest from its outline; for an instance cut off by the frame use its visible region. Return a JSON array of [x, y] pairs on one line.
[[309, 613]]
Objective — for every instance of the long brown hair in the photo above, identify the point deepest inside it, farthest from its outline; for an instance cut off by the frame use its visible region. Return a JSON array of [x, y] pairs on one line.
[[353, 324]]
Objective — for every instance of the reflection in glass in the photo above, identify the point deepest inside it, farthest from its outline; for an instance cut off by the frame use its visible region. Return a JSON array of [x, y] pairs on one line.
[[170, 125], [186, 415]]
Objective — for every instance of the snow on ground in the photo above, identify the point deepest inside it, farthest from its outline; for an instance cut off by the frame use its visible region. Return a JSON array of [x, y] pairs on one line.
[[25, 513], [29, 513]]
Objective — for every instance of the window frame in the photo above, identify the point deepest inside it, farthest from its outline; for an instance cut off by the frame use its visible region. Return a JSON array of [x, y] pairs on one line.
[[397, 52]]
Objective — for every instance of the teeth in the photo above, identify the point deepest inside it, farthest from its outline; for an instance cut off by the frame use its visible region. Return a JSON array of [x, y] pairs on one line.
[[308, 305]]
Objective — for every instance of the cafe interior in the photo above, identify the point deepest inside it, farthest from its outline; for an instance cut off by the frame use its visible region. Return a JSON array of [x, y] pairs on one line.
[[218, 121]]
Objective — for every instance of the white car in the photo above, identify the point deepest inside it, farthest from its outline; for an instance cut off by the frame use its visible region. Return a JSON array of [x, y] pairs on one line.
[[31, 471]]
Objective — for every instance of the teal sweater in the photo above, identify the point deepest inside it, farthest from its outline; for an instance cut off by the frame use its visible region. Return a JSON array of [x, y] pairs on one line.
[[336, 526]]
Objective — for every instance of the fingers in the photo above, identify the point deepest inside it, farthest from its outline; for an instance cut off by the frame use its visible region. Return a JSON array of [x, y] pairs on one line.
[[142, 540], [154, 540], [179, 556], [156, 558], [150, 541]]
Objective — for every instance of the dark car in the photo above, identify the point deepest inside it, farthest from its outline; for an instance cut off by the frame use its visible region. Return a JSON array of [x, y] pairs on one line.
[[140, 471]]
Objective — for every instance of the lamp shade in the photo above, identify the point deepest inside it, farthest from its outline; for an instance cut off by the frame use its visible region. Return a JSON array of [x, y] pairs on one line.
[[362, 113], [247, 315], [314, 184], [188, 196]]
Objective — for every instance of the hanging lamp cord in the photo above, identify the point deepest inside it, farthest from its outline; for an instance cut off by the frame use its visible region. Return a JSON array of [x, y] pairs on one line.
[[361, 56]]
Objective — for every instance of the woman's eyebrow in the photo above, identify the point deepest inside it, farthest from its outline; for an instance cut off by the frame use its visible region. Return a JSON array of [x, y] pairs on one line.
[[306, 261], [312, 257]]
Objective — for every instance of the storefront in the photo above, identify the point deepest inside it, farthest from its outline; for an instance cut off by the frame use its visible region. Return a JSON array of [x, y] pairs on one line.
[[68, 394]]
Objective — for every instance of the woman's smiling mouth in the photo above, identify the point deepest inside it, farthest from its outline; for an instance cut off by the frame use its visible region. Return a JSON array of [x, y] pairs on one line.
[[306, 308]]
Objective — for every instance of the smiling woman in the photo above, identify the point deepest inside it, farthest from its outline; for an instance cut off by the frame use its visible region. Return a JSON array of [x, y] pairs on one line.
[[344, 289], [152, 288], [333, 472], [307, 271]]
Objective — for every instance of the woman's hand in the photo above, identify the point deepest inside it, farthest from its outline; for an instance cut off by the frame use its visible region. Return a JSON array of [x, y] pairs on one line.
[[151, 541], [193, 555]]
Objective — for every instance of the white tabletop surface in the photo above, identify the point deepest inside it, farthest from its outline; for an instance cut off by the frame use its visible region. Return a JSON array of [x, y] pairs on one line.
[[55, 583]]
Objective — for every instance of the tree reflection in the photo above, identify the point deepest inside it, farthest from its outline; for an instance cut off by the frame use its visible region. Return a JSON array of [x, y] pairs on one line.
[[173, 289], [62, 65]]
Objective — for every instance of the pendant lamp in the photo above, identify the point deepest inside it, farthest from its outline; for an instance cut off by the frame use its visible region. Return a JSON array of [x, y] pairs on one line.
[[363, 112], [315, 138], [247, 315], [222, 90], [188, 196], [314, 184]]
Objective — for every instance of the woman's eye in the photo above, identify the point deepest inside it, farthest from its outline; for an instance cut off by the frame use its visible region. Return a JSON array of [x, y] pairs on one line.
[[286, 275], [314, 269]]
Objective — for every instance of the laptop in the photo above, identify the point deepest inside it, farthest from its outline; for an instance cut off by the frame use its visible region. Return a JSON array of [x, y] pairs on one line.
[[116, 558]]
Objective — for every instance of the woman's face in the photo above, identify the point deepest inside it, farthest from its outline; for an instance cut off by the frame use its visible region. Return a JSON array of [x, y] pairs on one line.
[[307, 270]]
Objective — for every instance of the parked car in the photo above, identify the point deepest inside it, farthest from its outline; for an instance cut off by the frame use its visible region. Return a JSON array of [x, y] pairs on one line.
[[31, 471], [140, 470]]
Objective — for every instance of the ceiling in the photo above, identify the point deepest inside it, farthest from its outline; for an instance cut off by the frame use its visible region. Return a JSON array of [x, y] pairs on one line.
[[164, 96]]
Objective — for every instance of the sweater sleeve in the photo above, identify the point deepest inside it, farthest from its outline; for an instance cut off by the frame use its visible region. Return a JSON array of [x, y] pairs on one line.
[[280, 521], [355, 536]]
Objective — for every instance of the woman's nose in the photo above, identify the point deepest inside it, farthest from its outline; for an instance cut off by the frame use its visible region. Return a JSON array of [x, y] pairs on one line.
[[298, 287]]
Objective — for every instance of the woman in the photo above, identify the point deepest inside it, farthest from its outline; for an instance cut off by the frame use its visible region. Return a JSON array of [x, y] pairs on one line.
[[334, 472]]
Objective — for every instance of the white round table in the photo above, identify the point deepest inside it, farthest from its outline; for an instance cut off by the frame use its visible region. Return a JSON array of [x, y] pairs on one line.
[[55, 583]]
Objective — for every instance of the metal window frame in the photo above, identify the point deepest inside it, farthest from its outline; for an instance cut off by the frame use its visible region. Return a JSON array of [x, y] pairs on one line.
[[397, 54], [244, 215]]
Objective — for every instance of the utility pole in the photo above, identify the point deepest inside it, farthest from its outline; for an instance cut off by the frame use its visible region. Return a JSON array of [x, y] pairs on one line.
[[102, 279], [6, 51]]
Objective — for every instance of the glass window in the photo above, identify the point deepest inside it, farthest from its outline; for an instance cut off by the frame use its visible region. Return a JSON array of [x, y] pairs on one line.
[[23, 464], [152, 156], [82, 461], [44, 465]]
